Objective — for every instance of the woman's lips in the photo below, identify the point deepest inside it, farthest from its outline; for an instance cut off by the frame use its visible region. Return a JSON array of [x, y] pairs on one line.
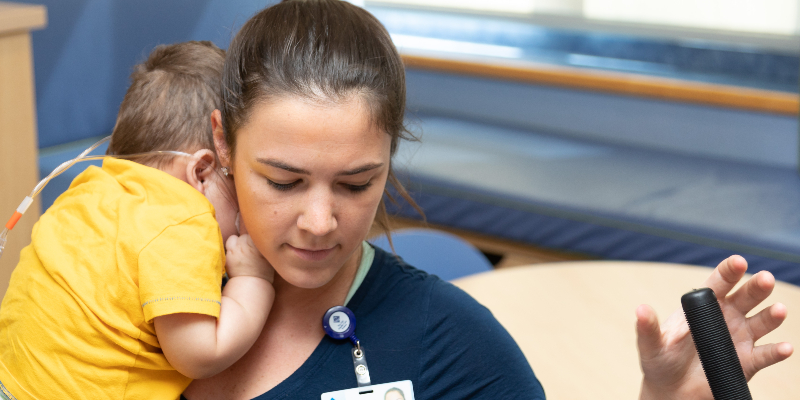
[[312, 255]]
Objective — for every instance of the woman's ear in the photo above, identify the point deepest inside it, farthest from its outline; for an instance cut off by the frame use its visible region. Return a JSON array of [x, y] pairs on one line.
[[223, 152], [199, 169]]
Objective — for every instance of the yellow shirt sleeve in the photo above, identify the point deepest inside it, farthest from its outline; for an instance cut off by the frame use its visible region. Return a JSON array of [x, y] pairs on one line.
[[180, 271]]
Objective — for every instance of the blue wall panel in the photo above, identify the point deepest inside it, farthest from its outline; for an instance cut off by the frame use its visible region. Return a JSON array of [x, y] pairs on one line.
[[82, 59], [690, 129]]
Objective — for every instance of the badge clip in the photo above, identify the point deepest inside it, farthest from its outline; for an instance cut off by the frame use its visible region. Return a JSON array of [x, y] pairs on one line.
[[360, 365], [340, 323]]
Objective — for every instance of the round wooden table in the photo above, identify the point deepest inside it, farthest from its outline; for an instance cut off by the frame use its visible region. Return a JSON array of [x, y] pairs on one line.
[[575, 322]]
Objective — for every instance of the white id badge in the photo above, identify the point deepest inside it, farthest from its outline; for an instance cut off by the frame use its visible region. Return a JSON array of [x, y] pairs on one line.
[[401, 390]]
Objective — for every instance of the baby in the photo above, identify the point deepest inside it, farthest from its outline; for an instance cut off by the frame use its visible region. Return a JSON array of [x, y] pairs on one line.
[[118, 295]]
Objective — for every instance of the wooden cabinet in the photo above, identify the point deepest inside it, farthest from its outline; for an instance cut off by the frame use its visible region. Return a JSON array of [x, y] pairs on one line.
[[19, 166]]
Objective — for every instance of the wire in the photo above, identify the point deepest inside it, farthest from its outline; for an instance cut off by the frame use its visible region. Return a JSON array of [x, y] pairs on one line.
[[85, 157], [3, 236]]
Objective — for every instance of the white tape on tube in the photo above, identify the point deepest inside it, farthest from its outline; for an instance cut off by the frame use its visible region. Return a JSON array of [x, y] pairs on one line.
[[24, 205]]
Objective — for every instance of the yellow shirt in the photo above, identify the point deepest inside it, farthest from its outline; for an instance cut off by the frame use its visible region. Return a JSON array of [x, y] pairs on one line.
[[125, 244]]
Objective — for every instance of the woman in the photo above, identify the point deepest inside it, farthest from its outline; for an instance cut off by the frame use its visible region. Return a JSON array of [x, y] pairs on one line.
[[314, 98]]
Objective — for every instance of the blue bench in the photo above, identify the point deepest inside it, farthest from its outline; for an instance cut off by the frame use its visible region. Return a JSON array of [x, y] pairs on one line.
[[612, 202]]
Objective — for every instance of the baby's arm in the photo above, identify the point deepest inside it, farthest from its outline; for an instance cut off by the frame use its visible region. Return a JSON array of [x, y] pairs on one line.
[[200, 346]]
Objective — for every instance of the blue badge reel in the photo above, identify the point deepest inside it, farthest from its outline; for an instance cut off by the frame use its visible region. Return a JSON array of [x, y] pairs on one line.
[[340, 323]]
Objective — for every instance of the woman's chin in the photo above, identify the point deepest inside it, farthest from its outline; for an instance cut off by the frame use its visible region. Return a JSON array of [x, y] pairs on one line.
[[307, 278], [312, 274]]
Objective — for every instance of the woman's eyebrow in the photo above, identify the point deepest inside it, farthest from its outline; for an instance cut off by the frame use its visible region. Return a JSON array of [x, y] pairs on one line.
[[282, 165], [364, 168], [287, 167]]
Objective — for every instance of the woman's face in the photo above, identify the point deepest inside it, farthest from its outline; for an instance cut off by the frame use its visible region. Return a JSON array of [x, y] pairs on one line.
[[394, 394], [309, 177]]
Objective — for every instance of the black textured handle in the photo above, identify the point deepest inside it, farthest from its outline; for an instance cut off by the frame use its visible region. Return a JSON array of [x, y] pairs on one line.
[[715, 346]]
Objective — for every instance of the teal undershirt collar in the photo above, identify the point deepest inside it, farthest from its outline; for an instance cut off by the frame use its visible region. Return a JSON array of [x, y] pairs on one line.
[[367, 255]]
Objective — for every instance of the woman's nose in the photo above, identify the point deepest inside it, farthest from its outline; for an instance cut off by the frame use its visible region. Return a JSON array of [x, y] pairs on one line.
[[318, 214]]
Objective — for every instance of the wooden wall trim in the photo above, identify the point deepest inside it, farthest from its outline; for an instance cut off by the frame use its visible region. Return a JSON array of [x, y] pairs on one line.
[[15, 17], [618, 83]]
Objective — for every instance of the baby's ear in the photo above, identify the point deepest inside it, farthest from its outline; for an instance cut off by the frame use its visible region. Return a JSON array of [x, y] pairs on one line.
[[199, 169]]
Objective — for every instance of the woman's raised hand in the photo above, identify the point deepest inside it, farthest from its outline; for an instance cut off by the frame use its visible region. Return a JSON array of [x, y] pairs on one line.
[[667, 354]]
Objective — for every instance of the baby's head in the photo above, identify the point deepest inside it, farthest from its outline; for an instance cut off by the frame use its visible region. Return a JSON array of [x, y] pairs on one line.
[[168, 107]]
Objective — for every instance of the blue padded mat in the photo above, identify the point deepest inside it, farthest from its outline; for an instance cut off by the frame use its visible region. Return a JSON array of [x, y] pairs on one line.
[[608, 201]]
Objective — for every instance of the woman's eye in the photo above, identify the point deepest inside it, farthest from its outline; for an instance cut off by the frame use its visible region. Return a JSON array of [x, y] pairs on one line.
[[357, 188], [283, 186]]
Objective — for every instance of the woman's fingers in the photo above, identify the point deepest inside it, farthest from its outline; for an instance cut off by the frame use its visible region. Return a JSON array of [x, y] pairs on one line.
[[766, 320], [768, 354], [726, 275], [753, 292], [648, 332]]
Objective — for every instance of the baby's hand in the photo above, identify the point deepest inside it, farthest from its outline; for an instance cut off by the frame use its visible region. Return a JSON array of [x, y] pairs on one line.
[[244, 259]]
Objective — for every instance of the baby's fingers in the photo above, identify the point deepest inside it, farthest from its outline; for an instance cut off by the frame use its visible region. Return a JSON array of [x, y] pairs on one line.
[[241, 243], [247, 240], [231, 243], [768, 354], [247, 246]]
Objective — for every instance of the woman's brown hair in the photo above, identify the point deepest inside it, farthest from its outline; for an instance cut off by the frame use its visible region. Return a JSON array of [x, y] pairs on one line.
[[323, 50]]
